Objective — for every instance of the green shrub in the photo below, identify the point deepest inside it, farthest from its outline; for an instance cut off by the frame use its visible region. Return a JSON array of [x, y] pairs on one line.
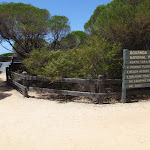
[[88, 61]]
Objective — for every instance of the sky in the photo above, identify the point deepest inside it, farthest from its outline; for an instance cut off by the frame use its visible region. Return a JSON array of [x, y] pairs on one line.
[[77, 11]]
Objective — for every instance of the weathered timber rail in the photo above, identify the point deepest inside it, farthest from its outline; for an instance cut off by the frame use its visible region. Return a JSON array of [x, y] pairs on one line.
[[24, 86], [5, 58]]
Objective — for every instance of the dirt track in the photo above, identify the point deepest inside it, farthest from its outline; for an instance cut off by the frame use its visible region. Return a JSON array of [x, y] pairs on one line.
[[36, 124]]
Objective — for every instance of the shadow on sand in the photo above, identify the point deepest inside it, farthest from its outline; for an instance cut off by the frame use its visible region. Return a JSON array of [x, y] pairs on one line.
[[3, 89], [63, 99]]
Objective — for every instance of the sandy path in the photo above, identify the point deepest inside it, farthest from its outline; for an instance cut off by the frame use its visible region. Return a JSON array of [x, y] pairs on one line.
[[33, 124], [3, 66]]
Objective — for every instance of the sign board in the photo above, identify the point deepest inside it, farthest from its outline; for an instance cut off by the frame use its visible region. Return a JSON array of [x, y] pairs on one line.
[[136, 70]]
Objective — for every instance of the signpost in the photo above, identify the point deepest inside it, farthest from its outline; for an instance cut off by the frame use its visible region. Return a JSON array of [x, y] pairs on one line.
[[136, 70]]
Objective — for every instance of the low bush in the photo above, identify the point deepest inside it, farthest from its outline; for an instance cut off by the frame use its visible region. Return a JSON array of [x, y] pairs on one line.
[[88, 61]]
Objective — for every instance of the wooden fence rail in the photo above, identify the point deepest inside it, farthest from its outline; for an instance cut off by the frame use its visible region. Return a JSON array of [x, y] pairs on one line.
[[98, 82], [20, 76]]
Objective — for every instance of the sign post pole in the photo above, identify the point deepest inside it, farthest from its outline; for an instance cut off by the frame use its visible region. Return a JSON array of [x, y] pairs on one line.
[[123, 96]]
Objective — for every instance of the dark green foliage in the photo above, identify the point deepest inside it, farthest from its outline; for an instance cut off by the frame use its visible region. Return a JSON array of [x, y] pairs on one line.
[[89, 26], [74, 39], [59, 27], [124, 21], [23, 24]]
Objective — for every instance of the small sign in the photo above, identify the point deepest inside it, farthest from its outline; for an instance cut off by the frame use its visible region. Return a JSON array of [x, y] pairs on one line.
[[136, 70]]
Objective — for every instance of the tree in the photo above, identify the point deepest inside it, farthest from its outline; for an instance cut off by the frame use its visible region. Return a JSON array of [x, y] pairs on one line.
[[89, 26], [59, 27], [24, 25], [39, 44], [73, 39], [125, 21]]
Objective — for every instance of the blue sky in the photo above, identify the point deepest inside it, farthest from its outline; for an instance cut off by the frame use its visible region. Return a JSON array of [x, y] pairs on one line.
[[78, 11]]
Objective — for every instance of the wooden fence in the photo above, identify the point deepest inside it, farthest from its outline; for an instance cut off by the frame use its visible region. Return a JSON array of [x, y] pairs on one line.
[[24, 86], [5, 58]]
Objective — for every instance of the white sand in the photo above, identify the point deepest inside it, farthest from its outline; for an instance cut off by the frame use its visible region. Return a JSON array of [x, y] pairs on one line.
[[33, 124]]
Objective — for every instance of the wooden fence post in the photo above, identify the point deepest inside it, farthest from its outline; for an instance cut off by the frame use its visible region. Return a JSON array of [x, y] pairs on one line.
[[7, 73], [100, 89], [25, 84]]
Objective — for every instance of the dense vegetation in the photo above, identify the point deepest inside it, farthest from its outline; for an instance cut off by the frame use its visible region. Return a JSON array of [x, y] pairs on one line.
[[124, 21], [88, 61], [121, 24]]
